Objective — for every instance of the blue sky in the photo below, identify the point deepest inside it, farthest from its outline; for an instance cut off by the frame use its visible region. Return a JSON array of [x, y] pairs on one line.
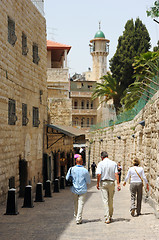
[[75, 23]]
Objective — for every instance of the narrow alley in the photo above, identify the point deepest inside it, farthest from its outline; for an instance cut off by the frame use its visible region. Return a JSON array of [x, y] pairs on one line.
[[53, 219]]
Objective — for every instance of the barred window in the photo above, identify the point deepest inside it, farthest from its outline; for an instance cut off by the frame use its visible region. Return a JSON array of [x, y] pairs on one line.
[[25, 120], [12, 118], [36, 58], [12, 38], [36, 120], [24, 44]]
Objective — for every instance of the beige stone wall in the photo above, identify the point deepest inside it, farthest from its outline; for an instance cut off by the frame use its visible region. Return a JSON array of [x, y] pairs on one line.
[[144, 145], [60, 111], [21, 80]]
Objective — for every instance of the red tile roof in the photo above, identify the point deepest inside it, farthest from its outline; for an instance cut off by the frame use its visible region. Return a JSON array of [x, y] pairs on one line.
[[56, 45]]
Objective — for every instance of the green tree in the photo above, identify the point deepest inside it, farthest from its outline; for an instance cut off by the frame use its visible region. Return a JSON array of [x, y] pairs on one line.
[[156, 48], [146, 71], [108, 89], [134, 41], [154, 11]]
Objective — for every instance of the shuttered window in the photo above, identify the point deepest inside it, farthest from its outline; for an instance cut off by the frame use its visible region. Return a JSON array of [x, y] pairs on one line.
[[12, 118], [12, 38], [24, 115], [24, 44], [36, 120], [36, 58]]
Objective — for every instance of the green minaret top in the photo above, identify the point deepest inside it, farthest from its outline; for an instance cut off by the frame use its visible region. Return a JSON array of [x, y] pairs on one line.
[[99, 34]]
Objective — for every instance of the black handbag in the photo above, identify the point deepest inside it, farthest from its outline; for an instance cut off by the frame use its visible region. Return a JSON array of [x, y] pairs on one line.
[[70, 180]]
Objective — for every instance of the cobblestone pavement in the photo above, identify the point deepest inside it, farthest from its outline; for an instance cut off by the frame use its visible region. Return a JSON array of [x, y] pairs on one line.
[[53, 219]]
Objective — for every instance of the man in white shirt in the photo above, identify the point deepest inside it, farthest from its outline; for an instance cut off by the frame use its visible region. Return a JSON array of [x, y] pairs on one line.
[[107, 172]]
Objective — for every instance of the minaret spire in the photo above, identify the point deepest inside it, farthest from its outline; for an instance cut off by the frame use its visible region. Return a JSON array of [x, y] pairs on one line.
[[99, 25]]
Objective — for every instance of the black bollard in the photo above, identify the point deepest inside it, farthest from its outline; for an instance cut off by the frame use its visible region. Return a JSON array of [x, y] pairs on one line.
[[39, 193], [62, 182], [56, 185], [12, 208], [28, 197], [48, 189]]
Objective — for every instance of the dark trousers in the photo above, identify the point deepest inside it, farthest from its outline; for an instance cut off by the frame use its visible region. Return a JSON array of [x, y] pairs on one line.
[[136, 189]]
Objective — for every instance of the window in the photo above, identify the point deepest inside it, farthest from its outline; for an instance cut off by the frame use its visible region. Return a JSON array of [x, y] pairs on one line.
[[75, 105], [12, 38], [36, 58], [12, 118], [91, 105], [76, 121], [82, 122], [92, 121], [24, 115], [82, 104], [36, 120], [24, 45], [87, 104]]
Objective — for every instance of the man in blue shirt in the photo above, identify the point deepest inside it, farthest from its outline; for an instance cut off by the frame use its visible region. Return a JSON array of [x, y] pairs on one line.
[[81, 178]]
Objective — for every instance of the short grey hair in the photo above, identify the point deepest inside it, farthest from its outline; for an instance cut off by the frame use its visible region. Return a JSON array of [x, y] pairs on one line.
[[104, 154]]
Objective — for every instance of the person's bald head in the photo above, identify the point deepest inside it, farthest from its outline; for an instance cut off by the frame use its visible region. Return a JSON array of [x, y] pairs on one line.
[[79, 160]]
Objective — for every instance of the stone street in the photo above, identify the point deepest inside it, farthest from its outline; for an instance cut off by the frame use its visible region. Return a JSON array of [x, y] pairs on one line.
[[53, 219]]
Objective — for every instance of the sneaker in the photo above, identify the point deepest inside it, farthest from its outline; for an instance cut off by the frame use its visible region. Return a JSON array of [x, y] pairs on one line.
[[79, 222], [107, 221], [132, 211]]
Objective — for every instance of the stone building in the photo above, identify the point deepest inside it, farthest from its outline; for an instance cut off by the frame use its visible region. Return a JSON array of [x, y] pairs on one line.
[[23, 94], [84, 109], [59, 102]]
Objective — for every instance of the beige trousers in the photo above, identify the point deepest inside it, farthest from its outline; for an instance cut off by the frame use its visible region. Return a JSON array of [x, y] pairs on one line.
[[78, 205], [107, 191]]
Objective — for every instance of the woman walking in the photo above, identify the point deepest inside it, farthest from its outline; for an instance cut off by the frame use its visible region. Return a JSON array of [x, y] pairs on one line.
[[136, 184]]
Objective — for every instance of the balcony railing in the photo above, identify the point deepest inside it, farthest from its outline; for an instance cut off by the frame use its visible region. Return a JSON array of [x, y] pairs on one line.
[[81, 111]]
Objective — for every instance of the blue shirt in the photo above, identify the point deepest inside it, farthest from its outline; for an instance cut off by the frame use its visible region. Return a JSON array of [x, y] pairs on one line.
[[80, 177]]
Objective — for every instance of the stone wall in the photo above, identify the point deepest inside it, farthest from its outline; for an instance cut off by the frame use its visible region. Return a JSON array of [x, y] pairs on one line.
[[125, 141], [25, 82]]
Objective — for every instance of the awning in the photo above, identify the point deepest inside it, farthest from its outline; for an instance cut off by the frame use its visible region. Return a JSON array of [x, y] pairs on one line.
[[79, 145], [67, 130]]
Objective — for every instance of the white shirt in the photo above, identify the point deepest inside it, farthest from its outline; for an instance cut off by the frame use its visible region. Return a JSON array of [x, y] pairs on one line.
[[107, 169], [134, 176]]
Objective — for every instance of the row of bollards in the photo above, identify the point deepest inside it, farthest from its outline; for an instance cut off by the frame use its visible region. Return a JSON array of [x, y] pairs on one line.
[[12, 208]]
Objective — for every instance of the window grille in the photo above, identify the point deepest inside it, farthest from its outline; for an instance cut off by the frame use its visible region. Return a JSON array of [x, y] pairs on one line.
[[36, 58], [12, 118], [36, 120], [24, 45], [25, 120], [12, 38]]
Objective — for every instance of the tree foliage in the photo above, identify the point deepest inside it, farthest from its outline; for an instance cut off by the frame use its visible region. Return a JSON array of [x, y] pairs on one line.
[[154, 11], [108, 89], [146, 69], [134, 41]]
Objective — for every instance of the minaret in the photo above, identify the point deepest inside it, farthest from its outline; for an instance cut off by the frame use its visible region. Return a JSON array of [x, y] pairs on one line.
[[99, 51]]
